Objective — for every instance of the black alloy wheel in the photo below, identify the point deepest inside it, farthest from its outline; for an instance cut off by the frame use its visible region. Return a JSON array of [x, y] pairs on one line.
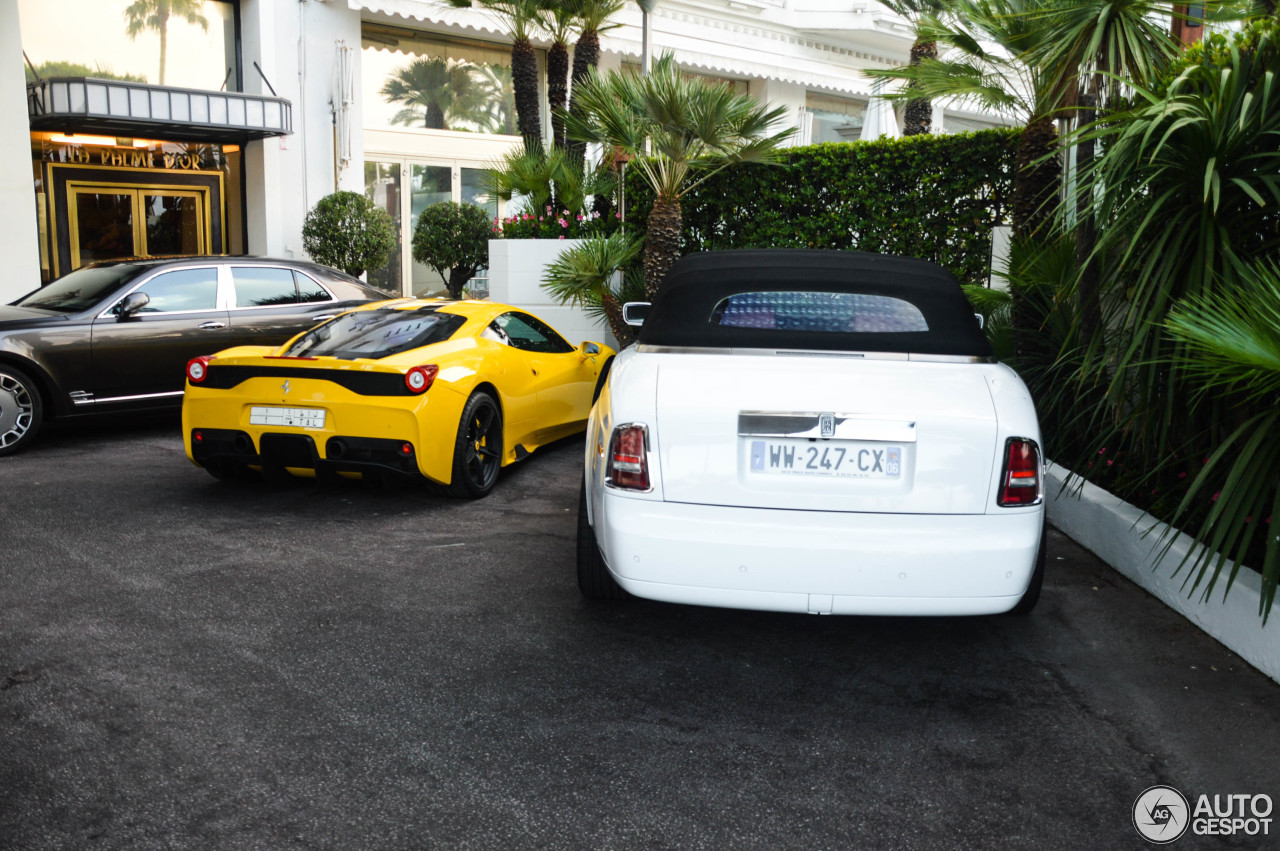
[[1032, 595], [594, 580], [21, 410], [477, 455]]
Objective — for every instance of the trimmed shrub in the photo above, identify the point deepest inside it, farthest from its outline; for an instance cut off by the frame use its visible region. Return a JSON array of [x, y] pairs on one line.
[[933, 197], [345, 230], [453, 239]]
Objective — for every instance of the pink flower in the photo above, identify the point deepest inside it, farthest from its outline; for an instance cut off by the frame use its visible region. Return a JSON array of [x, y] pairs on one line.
[[563, 223], [579, 217], [617, 215], [561, 236], [1216, 495]]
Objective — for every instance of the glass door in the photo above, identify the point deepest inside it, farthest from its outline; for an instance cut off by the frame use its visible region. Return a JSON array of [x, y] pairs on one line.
[[173, 222], [428, 182], [113, 222], [382, 187], [102, 225]]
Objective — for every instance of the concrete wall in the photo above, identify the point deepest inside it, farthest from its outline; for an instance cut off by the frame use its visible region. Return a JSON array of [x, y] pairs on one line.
[[515, 278], [775, 93], [295, 43], [18, 231]]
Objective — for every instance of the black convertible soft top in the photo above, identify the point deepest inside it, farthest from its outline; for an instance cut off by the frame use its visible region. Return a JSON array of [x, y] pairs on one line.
[[762, 298]]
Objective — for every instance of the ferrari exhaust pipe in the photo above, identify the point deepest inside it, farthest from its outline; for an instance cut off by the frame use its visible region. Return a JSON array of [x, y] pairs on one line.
[[336, 449]]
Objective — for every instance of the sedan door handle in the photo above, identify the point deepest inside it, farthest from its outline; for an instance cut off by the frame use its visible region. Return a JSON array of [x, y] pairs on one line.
[[323, 317], [211, 326]]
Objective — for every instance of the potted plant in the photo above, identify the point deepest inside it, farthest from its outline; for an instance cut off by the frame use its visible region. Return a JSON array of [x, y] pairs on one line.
[[345, 230]]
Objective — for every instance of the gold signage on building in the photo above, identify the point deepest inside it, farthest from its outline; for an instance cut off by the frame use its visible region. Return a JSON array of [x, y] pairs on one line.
[[134, 158]]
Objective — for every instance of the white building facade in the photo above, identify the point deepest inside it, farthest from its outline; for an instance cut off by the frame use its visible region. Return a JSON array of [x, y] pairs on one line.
[[218, 129]]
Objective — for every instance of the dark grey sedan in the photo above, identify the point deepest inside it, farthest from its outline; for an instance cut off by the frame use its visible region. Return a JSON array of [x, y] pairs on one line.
[[117, 336]]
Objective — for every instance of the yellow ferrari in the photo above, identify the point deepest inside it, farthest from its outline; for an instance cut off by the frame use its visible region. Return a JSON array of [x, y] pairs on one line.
[[448, 390]]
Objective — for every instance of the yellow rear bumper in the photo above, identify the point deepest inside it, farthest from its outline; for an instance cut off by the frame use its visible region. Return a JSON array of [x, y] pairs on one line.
[[428, 423]]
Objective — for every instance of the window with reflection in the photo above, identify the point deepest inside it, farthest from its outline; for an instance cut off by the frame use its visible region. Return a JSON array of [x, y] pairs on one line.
[[522, 331], [181, 290], [193, 46], [834, 119], [418, 80], [263, 286]]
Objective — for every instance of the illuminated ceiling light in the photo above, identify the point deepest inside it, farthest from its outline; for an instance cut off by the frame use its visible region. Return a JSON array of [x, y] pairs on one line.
[[77, 139]]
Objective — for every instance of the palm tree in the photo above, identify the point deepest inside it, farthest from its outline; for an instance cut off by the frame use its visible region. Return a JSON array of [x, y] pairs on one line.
[[583, 276], [918, 117], [1231, 349], [155, 14], [560, 21], [521, 18], [677, 132], [1000, 80], [1098, 44], [549, 178], [592, 19], [437, 92]]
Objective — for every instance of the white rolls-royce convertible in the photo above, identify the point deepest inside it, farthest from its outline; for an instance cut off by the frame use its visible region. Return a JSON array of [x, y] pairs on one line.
[[813, 431]]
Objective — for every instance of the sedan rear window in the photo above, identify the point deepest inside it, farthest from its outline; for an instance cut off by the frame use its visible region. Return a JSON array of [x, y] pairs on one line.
[[376, 333], [825, 312]]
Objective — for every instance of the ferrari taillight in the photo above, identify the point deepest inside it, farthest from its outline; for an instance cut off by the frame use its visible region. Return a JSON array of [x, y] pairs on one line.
[[627, 464], [198, 368], [419, 378], [1020, 478]]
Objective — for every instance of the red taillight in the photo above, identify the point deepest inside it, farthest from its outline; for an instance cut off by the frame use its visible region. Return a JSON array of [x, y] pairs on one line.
[[419, 378], [627, 465], [406, 449], [1020, 478], [198, 368]]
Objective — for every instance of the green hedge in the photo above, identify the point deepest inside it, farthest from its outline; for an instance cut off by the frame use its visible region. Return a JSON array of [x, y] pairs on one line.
[[935, 197]]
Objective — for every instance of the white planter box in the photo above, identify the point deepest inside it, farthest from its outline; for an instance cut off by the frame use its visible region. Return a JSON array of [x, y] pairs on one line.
[[515, 278], [1121, 535]]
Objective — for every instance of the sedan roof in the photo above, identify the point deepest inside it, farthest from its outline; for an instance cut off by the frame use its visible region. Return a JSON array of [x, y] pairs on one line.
[[689, 309]]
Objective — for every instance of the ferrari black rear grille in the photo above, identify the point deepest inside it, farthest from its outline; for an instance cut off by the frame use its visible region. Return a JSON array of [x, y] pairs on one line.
[[364, 383]]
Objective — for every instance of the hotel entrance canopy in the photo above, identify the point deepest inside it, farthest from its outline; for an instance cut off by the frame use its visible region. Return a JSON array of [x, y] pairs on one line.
[[119, 108]]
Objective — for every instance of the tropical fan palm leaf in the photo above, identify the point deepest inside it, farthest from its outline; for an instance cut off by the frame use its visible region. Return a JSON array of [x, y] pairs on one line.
[[676, 131], [583, 276]]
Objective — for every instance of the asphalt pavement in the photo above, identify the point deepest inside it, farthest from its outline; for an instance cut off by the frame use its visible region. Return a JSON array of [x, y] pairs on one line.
[[191, 664]]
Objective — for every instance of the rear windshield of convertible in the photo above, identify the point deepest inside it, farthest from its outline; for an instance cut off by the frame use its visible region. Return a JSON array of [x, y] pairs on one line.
[[810, 300], [826, 312], [376, 333]]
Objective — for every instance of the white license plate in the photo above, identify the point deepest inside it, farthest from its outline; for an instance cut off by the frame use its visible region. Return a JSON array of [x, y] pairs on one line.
[[294, 417], [854, 459]]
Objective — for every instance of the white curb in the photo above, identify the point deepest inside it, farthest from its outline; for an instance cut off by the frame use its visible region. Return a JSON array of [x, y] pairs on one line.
[[1122, 536]]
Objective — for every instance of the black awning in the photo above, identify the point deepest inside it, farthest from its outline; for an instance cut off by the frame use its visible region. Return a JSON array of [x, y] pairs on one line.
[[119, 108]]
